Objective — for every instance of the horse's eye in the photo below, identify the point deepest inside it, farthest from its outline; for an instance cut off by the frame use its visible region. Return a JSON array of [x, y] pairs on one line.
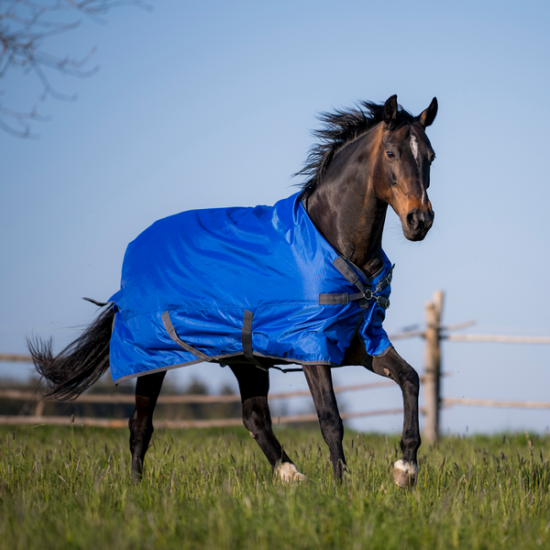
[[390, 154]]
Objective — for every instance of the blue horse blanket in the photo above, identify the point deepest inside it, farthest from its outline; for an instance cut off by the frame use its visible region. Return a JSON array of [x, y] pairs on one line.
[[208, 285]]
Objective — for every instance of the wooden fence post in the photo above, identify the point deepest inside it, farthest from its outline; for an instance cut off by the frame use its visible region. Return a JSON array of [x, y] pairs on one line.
[[432, 374], [39, 407]]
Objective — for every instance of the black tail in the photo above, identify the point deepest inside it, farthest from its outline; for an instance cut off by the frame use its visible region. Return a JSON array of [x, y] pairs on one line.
[[80, 364]]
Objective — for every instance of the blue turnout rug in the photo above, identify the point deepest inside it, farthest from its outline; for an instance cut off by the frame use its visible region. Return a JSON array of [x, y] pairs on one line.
[[208, 285]]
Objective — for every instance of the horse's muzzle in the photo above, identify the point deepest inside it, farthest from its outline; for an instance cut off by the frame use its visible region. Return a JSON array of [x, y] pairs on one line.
[[417, 224]]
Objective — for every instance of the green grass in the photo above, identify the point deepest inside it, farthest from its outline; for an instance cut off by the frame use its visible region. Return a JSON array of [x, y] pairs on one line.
[[70, 488]]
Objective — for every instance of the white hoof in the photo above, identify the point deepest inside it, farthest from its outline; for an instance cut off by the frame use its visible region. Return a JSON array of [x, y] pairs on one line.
[[288, 473], [405, 473]]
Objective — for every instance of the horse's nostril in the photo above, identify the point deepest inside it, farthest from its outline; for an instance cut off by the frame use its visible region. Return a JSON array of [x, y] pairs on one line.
[[412, 219]]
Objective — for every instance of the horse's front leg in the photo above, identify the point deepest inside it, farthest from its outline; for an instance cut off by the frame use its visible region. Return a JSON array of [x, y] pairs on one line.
[[254, 387], [319, 379], [393, 366]]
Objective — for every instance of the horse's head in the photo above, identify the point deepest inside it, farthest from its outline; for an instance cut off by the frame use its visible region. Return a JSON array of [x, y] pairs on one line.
[[402, 173]]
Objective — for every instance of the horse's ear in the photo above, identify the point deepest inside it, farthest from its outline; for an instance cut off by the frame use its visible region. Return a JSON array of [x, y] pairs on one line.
[[390, 108], [428, 116]]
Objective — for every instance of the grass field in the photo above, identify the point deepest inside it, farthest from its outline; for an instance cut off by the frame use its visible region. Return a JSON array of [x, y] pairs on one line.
[[70, 488]]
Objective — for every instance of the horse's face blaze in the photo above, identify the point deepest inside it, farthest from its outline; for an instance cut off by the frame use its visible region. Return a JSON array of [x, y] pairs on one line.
[[403, 176]]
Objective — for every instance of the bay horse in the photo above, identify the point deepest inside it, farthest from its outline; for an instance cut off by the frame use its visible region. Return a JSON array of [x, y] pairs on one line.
[[367, 158]]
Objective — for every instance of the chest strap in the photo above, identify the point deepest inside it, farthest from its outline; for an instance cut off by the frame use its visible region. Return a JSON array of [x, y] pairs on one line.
[[365, 294]]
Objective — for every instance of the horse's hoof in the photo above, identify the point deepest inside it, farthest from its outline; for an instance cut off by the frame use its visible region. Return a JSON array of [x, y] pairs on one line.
[[405, 474], [288, 473]]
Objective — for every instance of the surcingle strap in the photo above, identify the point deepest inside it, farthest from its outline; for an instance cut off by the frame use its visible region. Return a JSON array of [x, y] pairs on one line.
[[365, 295]]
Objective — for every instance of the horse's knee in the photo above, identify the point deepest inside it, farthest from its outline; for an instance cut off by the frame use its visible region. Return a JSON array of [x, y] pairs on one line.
[[251, 425], [393, 366], [410, 381]]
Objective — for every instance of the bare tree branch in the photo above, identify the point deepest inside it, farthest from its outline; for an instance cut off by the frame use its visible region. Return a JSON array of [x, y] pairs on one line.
[[25, 26]]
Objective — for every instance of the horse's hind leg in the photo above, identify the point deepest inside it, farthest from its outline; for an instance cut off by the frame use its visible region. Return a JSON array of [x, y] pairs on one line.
[[141, 422], [254, 387], [393, 366]]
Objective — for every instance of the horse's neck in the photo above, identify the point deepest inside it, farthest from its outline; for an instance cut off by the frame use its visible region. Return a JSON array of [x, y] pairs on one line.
[[345, 209]]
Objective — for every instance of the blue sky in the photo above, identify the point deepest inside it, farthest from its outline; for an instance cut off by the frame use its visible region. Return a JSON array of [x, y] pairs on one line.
[[211, 104]]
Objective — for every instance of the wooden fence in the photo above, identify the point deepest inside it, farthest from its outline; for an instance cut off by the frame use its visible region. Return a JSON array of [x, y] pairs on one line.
[[434, 333], [39, 419]]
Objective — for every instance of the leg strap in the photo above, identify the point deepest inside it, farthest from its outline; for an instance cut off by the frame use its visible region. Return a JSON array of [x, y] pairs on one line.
[[247, 339]]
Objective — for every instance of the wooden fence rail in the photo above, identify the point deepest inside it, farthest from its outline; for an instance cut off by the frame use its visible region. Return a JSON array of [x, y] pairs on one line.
[[450, 401], [210, 423], [497, 338], [115, 399], [15, 358], [119, 398]]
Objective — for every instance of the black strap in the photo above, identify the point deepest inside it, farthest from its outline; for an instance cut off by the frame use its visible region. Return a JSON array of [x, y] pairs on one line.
[[335, 299], [365, 295], [174, 335], [247, 334], [248, 352], [287, 370], [358, 324], [343, 267], [385, 281]]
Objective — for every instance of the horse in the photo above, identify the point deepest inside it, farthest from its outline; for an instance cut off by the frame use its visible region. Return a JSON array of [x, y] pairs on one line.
[[366, 158]]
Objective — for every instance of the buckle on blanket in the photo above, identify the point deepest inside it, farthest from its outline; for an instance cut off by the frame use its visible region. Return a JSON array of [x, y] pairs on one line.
[[382, 301], [386, 281]]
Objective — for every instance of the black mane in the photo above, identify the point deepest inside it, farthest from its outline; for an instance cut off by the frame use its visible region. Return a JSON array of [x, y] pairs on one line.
[[341, 128]]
